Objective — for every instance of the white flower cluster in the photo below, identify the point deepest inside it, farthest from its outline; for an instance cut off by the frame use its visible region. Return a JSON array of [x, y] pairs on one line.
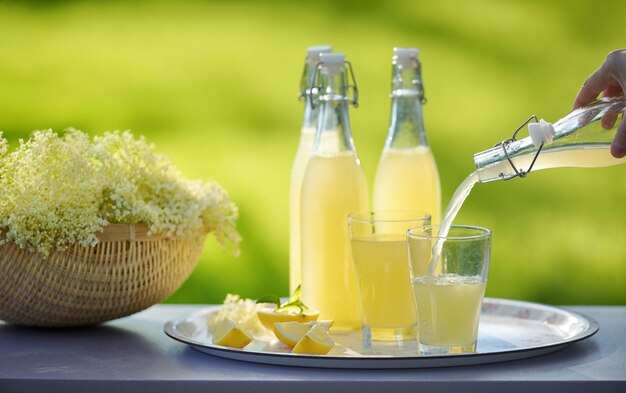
[[61, 190], [241, 311]]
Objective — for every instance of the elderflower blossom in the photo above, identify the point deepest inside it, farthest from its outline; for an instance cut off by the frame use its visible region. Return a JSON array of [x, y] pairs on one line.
[[241, 311], [57, 191], [4, 146]]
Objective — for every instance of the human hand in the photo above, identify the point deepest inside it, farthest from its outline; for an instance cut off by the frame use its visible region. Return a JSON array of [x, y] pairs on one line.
[[610, 80]]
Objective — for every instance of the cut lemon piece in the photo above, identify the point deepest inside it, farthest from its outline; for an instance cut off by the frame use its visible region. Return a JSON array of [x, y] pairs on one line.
[[229, 334], [317, 341], [269, 316], [292, 332]]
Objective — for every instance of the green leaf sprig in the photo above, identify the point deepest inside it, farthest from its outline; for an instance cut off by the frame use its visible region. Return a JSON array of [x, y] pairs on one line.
[[294, 301]]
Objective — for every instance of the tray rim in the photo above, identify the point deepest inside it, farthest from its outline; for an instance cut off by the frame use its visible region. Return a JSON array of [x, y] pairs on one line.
[[387, 362]]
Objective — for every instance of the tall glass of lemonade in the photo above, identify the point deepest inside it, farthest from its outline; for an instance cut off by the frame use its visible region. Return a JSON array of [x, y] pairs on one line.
[[379, 254]]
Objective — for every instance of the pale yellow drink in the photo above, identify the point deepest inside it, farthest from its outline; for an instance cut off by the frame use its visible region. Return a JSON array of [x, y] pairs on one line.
[[407, 179], [333, 187], [307, 137], [384, 283], [580, 156], [448, 310]]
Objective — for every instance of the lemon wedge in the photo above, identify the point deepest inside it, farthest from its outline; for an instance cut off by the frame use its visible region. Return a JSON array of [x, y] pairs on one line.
[[269, 316], [292, 332], [228, 334], [317, 341]]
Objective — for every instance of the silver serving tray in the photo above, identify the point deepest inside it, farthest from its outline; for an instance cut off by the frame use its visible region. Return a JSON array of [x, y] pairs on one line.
[[508, 330]]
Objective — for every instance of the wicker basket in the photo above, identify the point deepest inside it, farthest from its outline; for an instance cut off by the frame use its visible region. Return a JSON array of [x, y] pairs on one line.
[[126, 272]]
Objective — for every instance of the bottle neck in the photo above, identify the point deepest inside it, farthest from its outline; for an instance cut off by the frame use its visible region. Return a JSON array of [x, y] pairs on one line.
[[333, 135], [406, 128], [310, 114]]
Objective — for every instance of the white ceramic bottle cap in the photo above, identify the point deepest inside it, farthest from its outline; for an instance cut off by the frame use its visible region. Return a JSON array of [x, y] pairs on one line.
[[332, 58], [542, 132], [406, 53], [313, 52]]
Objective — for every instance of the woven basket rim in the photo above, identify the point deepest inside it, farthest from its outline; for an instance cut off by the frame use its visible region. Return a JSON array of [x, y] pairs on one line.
[[132, 232], [127, 232]]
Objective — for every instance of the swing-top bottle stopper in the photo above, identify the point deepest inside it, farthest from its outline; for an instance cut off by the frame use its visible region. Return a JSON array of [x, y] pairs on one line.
[[541, 132]]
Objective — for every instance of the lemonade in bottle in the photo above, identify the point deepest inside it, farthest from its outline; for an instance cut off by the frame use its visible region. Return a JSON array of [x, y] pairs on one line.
[[577, 140], [334, 186], [407, 177], [307, 136]]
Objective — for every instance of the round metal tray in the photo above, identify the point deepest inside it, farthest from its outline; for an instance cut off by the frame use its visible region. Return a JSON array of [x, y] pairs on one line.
[[508, 330]]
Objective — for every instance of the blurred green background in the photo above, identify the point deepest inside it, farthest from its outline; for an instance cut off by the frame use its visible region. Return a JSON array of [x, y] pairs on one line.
[[214, 85]]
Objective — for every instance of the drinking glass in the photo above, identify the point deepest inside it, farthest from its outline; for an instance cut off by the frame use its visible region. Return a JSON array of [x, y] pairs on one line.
[[449, 292], [379, 254]]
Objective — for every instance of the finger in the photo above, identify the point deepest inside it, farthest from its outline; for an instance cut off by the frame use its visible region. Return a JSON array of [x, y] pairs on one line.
[[593, 86], [608, 120], [614, 89], [618, 147]]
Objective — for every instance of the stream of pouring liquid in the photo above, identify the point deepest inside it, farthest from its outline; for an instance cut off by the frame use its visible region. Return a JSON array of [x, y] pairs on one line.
[[452, 210], [581, 155]]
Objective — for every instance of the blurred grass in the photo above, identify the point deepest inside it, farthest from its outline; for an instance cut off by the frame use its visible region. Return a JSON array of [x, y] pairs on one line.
[[213, 85]]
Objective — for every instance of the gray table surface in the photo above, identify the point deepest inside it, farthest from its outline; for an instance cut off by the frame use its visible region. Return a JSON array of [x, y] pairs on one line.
[[134, 355]]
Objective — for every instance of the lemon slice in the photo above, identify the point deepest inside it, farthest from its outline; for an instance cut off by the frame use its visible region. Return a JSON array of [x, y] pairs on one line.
[[317, 341], [269, 316], [292, 332], [228, 334]]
